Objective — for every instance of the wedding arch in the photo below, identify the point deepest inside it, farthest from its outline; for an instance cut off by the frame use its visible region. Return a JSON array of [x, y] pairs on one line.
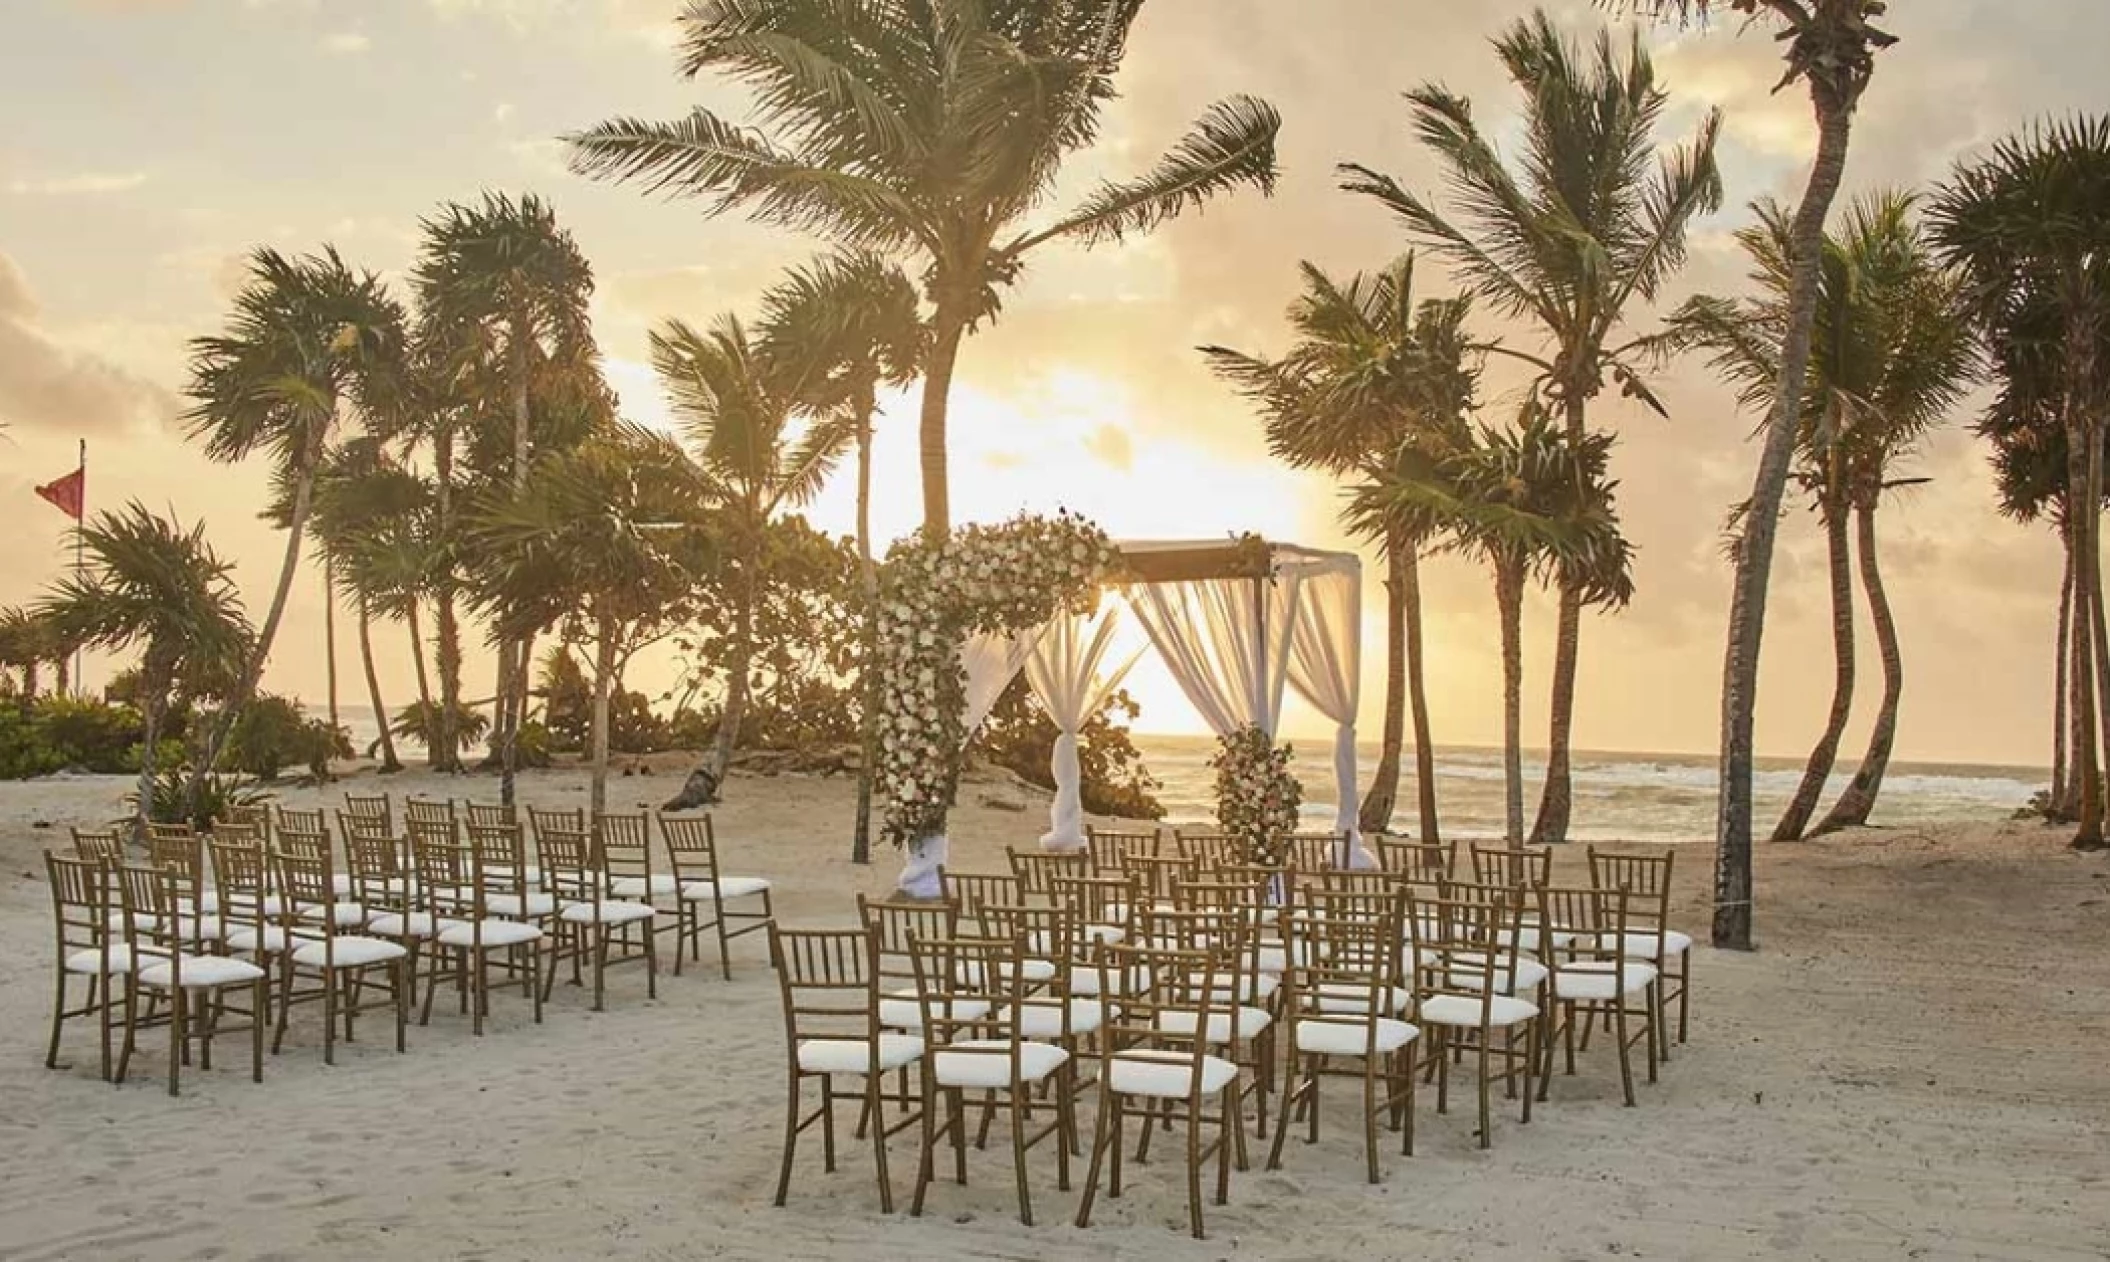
[[1236, 621]]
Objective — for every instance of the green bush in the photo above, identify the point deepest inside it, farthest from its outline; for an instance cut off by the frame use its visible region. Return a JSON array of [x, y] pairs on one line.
[[272, 734], [217, 795], [49, 734], [419, 721], [532, 747]]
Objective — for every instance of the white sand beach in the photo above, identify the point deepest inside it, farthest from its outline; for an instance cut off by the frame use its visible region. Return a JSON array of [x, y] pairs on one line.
[[1910, 1068]]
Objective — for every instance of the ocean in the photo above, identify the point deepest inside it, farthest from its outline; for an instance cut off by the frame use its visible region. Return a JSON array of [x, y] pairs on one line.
[[1618, 796]]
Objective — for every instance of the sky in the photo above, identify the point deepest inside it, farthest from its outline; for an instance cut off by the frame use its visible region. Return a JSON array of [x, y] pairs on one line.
[[152, 143]]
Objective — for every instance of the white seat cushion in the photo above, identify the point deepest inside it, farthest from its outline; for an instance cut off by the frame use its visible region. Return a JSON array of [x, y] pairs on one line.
[[208, 901], [1642, 946], [272, 936], [1586, 982], [417, 924], [1352, 1038], [636, 887], [1465, 974], [1252, 1023], [1042, 1018], [726, 887], [89, 960], [1167, 1075], [981, 1064], [202, 972], [496, 933], [902, 1010], [854, 1056], [605, 913], [1464, 1010], [342, 915], [512, 905], [1084, 980], [1258, 987], [1033, 970], [1104, 933], [1536, 941], [1348, 997], [348, 952]]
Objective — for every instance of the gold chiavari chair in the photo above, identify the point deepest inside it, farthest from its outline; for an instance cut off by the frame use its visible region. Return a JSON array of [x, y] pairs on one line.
[[369, 813], [256, 816], [1149, 1064], [490, 815], [1109, 848], [1649, 937], [894, 923], [295, 820], [692, 852], [971, 891], [99, 845], [1036, 870], [86, 947], [587, 918], [1592, 976], [1524, 867], [1466, 962], [1346, 994], [987, 1053], [828, 980], [1241, 1030], [1211, 850], [453, 899], [430, 812], [1102, 904], [194, 985], [1314, 853], [339, 961], [1409, 857]]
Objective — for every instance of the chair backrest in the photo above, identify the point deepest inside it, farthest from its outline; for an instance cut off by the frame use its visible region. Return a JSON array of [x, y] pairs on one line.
[[372, 809], [828, 980], [181, 855], [294, 820], [971, 891], [1036, 870], [1096, 900], [1646, 879], [894, 924], [147, 902], [1156, 982], [490, 815], [242, 875], [1408, 857], [1583, 927], [1317, 852], [157, 831], [498, 854], [350, 825], [257, 815], [302, 842], [1229, 939], [307, 885], [1343, 956], [428, 811], [1047, 932], [1209, 849], [972, 990], [446, 872], [99, 845], [1466, 948], [1158, 876], [692, 848], [572, 820], [569, 869], [626, 847], [1520, 866], [1109, 848], [80, 908], [380, 878]]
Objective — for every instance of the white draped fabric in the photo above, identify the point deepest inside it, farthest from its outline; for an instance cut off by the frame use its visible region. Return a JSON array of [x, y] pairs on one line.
[[1072, 674], [991, 663], [1222, 640], [1325, 668]]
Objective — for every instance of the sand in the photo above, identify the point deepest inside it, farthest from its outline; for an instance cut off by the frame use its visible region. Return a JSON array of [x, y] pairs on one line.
[[1911, 1068]]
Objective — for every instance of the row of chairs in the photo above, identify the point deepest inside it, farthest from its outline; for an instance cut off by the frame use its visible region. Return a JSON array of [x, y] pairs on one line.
[[265, 906], [1244, 986]]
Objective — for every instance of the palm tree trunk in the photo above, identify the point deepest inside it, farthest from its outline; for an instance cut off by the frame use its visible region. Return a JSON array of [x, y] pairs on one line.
[[1418, 703], [1556, 796], [417, 654], [2082, 515], [63, 663], [32, 671], [603, 683], [1509, 599], [949, 326], [373, 687], [743, 655], [446, 754], [1754, 552], [1384, 783], [329, 635], [245, 688], [2060, 781], [1819, 769], [1859, 800], [868, 583], [513, 664]]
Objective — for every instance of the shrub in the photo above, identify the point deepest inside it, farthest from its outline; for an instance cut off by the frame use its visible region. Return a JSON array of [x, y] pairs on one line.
[[419, 721], [217, 795], [532, 747], [272, 734], [49, 734]]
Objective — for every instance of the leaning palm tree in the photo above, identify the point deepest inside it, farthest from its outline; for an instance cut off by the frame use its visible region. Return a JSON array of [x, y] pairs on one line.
[[1831, 47], [2029, 226], [846, 326], [1588, 220], [610, 535], [505, 289], [737, 409], [928, 131], [309, 338], [1372, 372], [153, 585], [1891, 355]]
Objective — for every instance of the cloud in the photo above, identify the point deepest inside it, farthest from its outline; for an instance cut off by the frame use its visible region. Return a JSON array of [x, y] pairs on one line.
[[45, 384], [77, 185], [346, 43], [1110, 444]]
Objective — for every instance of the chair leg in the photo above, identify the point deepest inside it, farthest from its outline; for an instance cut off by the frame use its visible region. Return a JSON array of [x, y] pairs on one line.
[[1291, 1091], [1194, 1149], [285, 1000], [600, 964], [401, 980], [58, 1019], [1406, 1107], [828, 1124], [927, 1164], [725, 948], [1223, 1159], [329, 1018], [124, 1057], [1531, 1057], [1626, 1062], [651, 962], [1653, 1005], [1684, 990], [1103, 1137], [872, 1107], [791, 1138], [1370, 1112], [258, 990], [1487, 1125], [1018, 1153], [178, 1035]]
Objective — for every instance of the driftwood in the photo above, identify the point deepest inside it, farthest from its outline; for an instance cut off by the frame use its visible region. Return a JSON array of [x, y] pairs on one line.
[[700, 789]]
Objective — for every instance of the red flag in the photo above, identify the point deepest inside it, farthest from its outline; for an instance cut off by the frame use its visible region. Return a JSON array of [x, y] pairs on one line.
[[67, 494]]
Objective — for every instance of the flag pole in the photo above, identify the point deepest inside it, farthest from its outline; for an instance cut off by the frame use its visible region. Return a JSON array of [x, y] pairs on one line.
[[80, 686]]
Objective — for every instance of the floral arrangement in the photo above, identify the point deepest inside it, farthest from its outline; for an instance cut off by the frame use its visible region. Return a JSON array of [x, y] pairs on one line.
[[1256, 796], [933, 593]]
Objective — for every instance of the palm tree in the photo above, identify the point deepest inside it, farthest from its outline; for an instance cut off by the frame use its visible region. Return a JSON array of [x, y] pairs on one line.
[[506, 289], [26, 643], [2029, 226], [307, 337], [1509, 496], [609, 533], [1831, 46], [928, 131], [1372, 372], [737, 409], [1591, 221], [846, 326], [152, 584], [1891, 354]]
